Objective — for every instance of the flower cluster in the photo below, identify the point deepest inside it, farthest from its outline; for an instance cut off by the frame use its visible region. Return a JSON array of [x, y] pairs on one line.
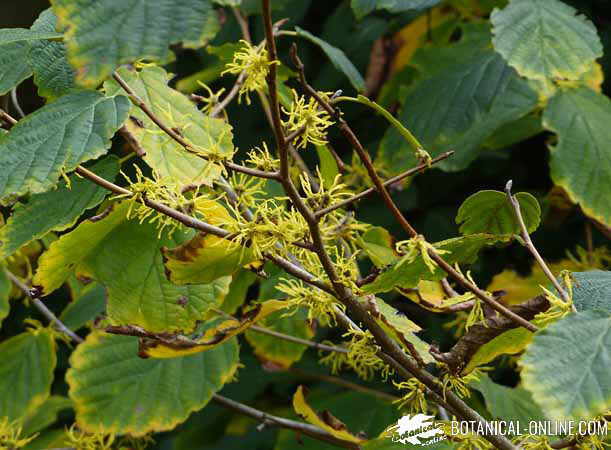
[[164, 190], [254, 63], [306, 117], [319, 304], [324, 196], [271, 225], [460, 384], [262, 159], [10, 435], [362, 356], [415, 399], [415, 247]]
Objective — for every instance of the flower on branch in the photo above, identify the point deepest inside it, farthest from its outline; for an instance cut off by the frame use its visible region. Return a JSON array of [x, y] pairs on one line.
[[262, 159], [165, 190], [254, 62], [415, 399], [325, 195], [459, 385], [418, 246], [362, 356], [10, 434], [319, 304], [307, 115], [271, 225]]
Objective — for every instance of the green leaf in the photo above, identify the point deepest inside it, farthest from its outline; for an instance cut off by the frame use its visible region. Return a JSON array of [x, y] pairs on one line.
[[26, 372], [100, 36], [279, 353], [592, 290], [545, 39], [10, 35], [397, 325], [490, 212], [52, 73], [5, 291], [13, 65], [379, 246], [338, 59], [398, 6], [238, 289], [125, 256], [362, 7], [566, 368], [328, 164], [55, 210], [163, 154], [407, 275], [581, 160], [45, 414], [84, 308], [116, 391], [459, 108], [57, 137], [510, 404]]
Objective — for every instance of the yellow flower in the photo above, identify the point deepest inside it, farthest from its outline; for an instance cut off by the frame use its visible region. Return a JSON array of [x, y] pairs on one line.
[[309, 116], [254, 62]]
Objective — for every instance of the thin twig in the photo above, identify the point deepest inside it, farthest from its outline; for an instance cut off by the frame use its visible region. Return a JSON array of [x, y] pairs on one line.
[[287, 337], [386, 183], [344, 383], [7, 118], [16, 104], [33, 296], [528, 243], [270, 420]]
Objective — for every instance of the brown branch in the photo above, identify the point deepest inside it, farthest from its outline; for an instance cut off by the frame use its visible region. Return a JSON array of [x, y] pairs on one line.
[[389, 182], [390, 204], [528, 243], [229, 97], [270, 420], [344, 383], [392, 353], [483, 332], [10, 121], [33, 296], [132, 141]]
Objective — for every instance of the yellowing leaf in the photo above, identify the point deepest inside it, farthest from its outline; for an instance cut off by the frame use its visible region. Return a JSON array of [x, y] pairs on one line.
[[126, 258], [174, 346], [164, 154], [26, 372], [324, 420], [204, 258], [414, 35], [396, 324], [277, 353]]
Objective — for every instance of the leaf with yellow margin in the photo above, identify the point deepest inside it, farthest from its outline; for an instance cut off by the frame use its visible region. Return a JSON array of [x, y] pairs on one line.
[[100, 36], [395, 323], [164, 346], [26, 372], [116, 391], [324, 419], [166, 156], [204, 258], [126, 258]]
